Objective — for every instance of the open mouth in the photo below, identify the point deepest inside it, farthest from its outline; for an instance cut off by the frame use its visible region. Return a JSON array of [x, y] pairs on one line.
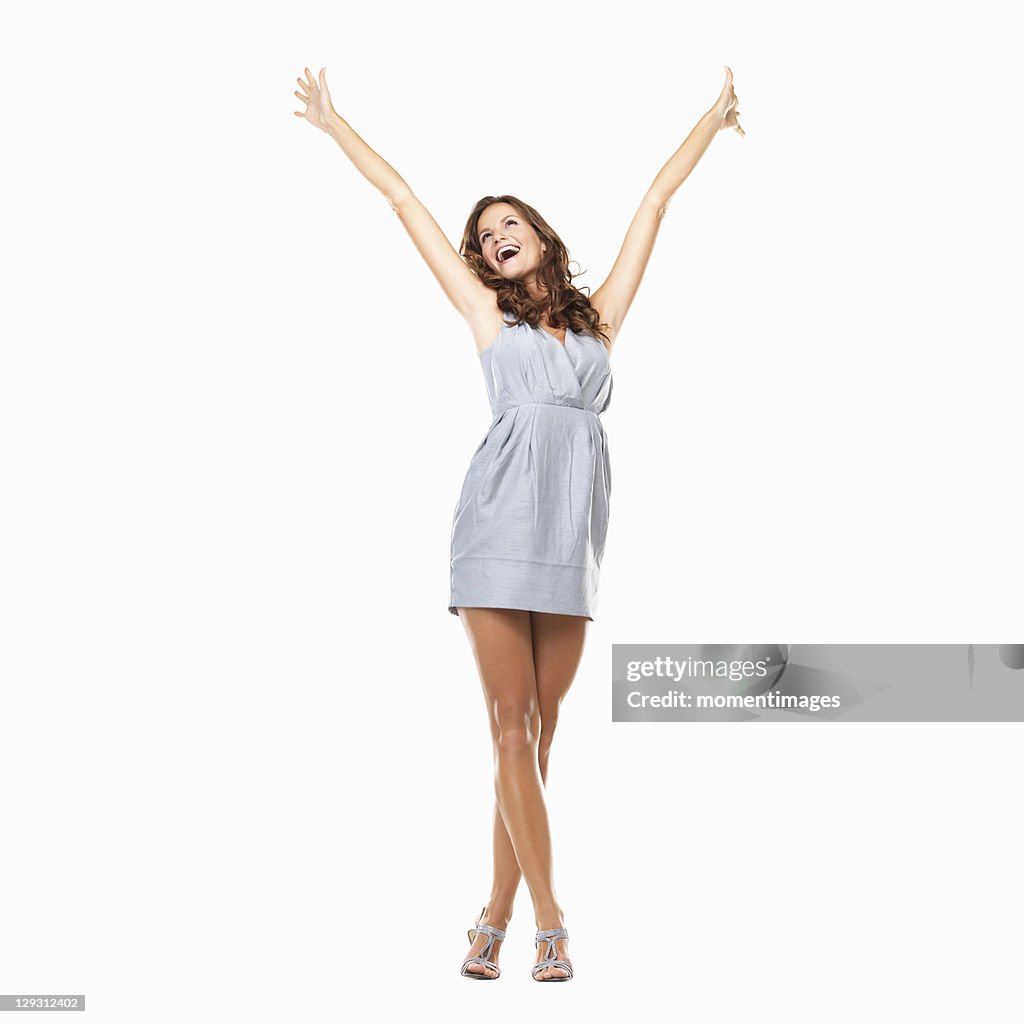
[[507, 252]]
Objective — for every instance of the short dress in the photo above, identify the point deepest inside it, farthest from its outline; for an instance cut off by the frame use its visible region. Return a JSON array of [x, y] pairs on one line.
[[530, 524]]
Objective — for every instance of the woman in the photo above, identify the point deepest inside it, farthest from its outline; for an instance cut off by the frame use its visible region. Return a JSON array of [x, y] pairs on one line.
[[529, 527]]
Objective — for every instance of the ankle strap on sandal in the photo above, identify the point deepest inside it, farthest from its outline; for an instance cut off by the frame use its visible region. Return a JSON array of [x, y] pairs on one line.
[[494, 935], [550, 937]]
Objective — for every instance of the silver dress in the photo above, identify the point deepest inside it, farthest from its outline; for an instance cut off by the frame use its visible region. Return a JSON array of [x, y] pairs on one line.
[[530, 524]]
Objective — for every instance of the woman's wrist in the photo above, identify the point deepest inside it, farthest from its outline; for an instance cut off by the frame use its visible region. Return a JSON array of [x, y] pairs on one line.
[[716, 115], [333, 124]]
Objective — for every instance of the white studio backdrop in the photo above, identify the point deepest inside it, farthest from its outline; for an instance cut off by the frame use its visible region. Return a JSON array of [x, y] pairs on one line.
[[244, 738]]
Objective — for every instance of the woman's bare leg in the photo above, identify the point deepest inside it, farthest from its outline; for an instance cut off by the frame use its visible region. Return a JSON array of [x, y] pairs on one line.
[[557, 649], [527, 661], [501, 641]]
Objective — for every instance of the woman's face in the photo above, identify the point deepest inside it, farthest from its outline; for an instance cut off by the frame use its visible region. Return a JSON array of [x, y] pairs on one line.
[[503, 232]]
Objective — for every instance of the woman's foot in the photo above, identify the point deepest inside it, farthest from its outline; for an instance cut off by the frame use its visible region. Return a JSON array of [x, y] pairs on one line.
[[496, 919], [561, 952]]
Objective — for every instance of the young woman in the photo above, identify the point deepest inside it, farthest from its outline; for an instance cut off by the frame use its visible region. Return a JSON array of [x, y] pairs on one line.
[[530, 524]]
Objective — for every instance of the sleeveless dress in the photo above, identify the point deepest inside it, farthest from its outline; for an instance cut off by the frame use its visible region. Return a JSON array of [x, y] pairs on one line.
[[530, 524]]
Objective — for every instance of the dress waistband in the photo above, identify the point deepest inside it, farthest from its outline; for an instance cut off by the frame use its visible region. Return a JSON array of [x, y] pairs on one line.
[[546, 405]]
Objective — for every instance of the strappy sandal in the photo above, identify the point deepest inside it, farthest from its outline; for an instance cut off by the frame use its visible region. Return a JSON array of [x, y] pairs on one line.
[[548, 960], [496, 935]]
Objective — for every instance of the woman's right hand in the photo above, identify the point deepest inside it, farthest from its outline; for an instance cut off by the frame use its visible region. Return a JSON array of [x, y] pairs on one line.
[[725, 105], [319, 109]]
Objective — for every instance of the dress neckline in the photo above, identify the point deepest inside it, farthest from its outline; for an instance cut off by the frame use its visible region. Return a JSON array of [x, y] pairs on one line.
[[547, 334], [553, 338], [560, 344]]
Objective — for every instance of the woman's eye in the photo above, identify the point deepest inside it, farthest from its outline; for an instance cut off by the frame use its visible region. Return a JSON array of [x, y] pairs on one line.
[[487, 234]]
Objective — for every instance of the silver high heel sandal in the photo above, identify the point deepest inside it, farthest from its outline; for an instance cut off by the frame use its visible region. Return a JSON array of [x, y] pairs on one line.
[[548, 959], [496, 935]]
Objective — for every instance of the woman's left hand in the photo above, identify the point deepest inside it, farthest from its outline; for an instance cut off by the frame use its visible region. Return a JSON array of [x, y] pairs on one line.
[[725, 106]]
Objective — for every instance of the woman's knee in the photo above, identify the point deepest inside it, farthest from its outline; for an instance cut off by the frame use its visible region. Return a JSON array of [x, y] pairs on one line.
[[516, 729]]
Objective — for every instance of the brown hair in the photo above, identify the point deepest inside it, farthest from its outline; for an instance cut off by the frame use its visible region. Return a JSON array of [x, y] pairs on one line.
[[565, 304]]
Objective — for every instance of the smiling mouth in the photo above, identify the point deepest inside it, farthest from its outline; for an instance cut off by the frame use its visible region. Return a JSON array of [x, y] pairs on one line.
[[507, 252]]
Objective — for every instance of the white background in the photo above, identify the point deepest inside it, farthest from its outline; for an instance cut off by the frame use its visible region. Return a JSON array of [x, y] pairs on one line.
[[246, 771]]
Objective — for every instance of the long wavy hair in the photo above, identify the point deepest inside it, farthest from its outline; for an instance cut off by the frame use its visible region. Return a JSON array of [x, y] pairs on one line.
[[564, 303]]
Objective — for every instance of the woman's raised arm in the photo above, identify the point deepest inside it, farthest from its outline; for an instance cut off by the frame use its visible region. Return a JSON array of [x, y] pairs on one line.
[[467, 293], [613, 299]]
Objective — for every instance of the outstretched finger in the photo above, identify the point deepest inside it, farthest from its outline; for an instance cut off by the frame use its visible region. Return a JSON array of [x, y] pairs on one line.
[[309, 75]]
